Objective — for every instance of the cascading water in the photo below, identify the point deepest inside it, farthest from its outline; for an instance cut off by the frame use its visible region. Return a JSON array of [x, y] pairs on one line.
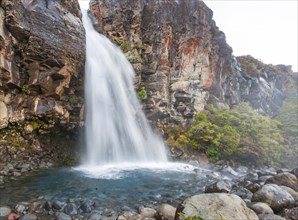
[[116, 128]]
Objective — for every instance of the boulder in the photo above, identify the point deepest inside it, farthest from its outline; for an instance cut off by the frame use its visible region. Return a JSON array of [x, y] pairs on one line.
[[147, 212], [165, 212], [285, 179], [215, 206], [219, 187], [261, 208], [129, 215], [292, 192], [274, 196]]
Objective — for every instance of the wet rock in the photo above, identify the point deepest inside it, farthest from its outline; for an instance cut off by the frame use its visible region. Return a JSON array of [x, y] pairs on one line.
[[229, 171], [29, 217], [4, 211], [165, 212], [291, 213], [48, 205], [147, 212], [215, 206], [86, 206], [252, 177], [63, 216], [270, 217], [95, 215], [70, 209], [261, 208], [22, 208], [285, 179], [263, 179], [58, 205], [243, 193], [16, 174], [295, 172], [292, 192], [219, 187], [37, 206], [274, 196], [129, 215]]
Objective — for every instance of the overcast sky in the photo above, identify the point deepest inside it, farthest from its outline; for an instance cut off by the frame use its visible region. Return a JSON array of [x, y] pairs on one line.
[[265, 29]]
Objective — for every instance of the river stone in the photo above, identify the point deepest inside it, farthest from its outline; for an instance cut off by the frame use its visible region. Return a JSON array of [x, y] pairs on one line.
[[263, 179], [285, 179], [147, 212], [293, 193], [165, 212], [95, 215], [29, 217], [274, 196], [252, 177], [129, 215], [4, 211], [291, 213], [218, 187], [215, 206], [243, 193], [86, 206], [63, 216], [58, 205], [36, 206], [22, 208], [261, 208], [295, 172], [70, 209], [270, 217], [48, 205]]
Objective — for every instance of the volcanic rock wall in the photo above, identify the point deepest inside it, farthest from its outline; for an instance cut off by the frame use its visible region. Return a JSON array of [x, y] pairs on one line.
[[41, 76], [183, 60]]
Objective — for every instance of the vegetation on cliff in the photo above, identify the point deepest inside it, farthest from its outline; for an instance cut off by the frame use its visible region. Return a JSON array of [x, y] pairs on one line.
[[239, 134]]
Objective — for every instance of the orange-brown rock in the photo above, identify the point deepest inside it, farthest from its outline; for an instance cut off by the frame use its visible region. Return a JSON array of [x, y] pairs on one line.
[[184, 58]]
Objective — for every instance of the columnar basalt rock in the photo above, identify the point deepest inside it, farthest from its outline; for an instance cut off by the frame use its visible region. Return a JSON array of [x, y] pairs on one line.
[[41, 71], [182, 58]]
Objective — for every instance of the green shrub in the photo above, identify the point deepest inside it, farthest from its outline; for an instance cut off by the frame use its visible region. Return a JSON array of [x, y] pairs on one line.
[[141, 93], [240, 134]]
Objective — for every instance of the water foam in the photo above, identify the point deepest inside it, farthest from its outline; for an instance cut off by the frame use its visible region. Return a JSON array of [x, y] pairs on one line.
[[118, 171]]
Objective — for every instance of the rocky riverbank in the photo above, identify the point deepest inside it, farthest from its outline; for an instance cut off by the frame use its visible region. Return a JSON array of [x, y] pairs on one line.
[[260, 194]]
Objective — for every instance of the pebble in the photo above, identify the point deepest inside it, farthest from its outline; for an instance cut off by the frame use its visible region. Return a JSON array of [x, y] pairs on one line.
[[63, 216], [4, 211], [29, 217]]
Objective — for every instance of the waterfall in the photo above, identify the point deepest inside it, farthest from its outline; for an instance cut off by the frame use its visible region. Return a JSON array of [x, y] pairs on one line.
[[116, 128]]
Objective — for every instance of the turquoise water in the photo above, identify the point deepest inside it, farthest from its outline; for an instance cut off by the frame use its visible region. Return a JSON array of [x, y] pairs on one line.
[[111, 187]]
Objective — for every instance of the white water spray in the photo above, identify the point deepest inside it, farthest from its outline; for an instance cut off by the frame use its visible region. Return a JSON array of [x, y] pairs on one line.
[[116, 128]]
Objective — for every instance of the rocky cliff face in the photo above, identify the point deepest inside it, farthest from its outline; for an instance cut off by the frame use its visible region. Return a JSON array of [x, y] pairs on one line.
[[183, 60], [41, 76]]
